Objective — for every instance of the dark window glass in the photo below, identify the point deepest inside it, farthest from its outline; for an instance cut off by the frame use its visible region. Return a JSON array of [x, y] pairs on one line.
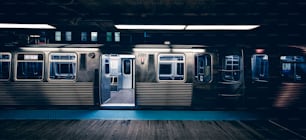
[[4, 70], [293, 68], [5, 63], [62, 70], [63, 57], [83, 62], [106, 68], [4, 57], [29, 70], [165, 69], [180, 69], [127, 66]]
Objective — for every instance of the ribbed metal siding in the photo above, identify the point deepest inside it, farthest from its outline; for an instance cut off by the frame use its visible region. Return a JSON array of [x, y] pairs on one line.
[[46, 93], [163, 94]]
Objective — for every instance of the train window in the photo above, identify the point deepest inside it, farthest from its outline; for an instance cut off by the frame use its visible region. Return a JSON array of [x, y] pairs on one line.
[[203, 68], [293, 68], [231, 68], [83, 62], [127, 67], [106, 66], [109, 36], [5, 65], [94, 36], [68, 36], [62, 66], [171, 67], [117, 36], [29, 66], [58, 36], [83, 36], [260, 67]]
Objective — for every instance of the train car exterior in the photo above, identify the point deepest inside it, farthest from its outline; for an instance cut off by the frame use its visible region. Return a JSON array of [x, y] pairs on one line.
[[276, 78], [152, 76], [49, 75]]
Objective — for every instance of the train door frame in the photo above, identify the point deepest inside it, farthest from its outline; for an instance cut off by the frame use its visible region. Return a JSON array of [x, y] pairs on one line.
[[112, 90]]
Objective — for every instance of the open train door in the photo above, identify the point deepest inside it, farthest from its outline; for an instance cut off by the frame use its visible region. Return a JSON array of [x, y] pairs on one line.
[[117, 80]]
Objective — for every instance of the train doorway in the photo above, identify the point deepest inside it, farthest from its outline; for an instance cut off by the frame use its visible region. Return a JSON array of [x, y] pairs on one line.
[[117, 80]]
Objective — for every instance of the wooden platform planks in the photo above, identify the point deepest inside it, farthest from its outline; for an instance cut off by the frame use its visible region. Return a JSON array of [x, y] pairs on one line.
[[141, 130]]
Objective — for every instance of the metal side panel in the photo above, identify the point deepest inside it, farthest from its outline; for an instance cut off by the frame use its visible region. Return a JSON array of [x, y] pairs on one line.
[[46, 93], [163, 94]]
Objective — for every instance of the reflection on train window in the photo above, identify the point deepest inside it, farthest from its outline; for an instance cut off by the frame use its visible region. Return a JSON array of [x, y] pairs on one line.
[[203, 68], [231, 68], [29, 66], [62, 66], [293, 68], [171, 67], [260, 67], [5, 64], [127, 66]]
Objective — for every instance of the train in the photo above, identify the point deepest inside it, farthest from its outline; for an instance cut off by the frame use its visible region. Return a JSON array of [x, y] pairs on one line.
[[148, 76]]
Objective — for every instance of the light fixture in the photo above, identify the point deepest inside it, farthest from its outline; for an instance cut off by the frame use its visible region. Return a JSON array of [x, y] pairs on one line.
[[151, 27], [25, 26], [221, 27], [186, 27]]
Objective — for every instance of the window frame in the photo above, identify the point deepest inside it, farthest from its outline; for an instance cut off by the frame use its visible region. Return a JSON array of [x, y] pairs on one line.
[[211, 67], [10, 65], [29, 53], [62, 54], [232, 70], [172, 71]]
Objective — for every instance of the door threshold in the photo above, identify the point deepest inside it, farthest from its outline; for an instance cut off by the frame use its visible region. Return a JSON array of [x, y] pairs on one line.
[[119, 105]]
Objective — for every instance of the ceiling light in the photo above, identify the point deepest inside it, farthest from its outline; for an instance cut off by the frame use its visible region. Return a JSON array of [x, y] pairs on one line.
[[25, 26], [151, 27], [221, 27]]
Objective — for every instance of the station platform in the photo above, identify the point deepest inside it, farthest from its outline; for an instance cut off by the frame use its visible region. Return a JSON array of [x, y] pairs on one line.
[[146, 125]]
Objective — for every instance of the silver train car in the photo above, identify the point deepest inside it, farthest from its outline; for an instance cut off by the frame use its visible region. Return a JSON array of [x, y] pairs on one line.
[[150, 76]]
